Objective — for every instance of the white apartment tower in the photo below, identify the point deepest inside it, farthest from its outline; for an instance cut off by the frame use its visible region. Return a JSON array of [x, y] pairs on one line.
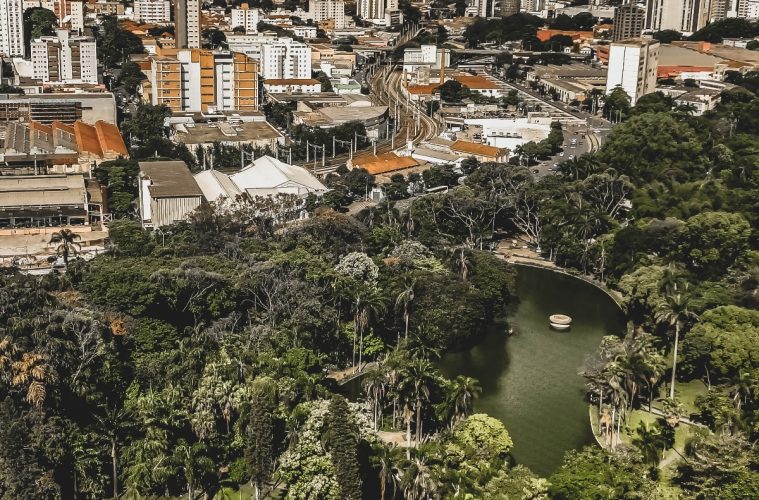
[[321, 10], [11, 28], [375, 9], [632, 65], [152, 11], [246, 17], [64, 58], [187, 24], [285, 59], [679, 15]]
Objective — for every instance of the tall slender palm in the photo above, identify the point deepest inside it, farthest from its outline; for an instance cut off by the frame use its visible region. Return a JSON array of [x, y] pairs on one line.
[[375, 385], [369, 303], [393, 367], [463, 391], [421, 375], [66, 240], [420, 482], [654, 367], [405, 297], [675, 313], [386, 460]]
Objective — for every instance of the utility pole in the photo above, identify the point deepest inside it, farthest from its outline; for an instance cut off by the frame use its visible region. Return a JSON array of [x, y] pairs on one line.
[[307, 148]]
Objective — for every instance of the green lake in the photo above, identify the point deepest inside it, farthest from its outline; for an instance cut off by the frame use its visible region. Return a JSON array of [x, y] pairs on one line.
[[530, 380]]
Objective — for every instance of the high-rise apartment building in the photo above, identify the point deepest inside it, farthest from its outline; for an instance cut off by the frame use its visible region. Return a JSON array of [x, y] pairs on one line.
[[187, 24], [246, 17], [679, 15], [375, 9], [629, 21], [152, 11], [510, 7], [321, 10], [632, 65], [64, 58], [285, 59], [11, 28], [199, 80], [533, 5], [70, 13]]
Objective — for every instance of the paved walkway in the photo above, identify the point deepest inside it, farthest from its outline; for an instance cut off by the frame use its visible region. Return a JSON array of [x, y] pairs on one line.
[[348, 374]]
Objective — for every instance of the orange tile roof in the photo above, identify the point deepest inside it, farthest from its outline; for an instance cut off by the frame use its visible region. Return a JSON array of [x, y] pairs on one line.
[[110, 138], [546, 34], [477, 149], [40, 127], [383, 163], [475, 82], [670, 71], [422, 89], [87, 139]]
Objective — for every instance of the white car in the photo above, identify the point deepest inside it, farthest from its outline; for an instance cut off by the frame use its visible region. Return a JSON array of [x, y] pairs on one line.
[[561, 154]]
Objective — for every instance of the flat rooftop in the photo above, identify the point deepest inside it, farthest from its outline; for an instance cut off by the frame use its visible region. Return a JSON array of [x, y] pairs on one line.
[[203, 133], [674, 55], [170, 179]]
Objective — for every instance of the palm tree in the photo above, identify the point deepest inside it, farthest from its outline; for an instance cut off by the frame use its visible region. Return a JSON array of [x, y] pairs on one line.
[[111, 422], [651, 442], [420, 374], [675, 313], [419, 482], [368, 303], [66, 240], [386, 460], [462, 392], [654, 366], [393, 367], [406, 297], [374, 383]]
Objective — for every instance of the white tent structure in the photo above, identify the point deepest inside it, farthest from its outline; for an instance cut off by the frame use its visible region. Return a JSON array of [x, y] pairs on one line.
[[266, 176]]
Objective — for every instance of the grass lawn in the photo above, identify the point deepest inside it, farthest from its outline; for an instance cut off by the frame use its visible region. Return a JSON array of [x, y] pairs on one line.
[[245, 491], [686, 393]]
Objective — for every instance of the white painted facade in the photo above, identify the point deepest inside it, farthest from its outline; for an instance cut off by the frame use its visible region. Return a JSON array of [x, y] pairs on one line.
[[285, 59], [77, 58], [321, 10], [152, 11], [632, 66], [12, 28], [245, 17]]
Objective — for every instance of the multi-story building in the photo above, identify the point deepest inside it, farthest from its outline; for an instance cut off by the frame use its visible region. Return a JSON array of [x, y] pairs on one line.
[[375, 9], [203, 80], [632, 66], [533, 5], [246, 17], [187, 24], [679, 15], [70, 13], [285, 59], [68, 107], [629, 21], [322, 10], [510, 7], [105, 7], [64, 58], [425, 63], [152, 11], [11, 28]]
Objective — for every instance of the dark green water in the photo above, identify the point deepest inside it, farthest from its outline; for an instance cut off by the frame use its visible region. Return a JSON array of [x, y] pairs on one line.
[[530, 379]]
